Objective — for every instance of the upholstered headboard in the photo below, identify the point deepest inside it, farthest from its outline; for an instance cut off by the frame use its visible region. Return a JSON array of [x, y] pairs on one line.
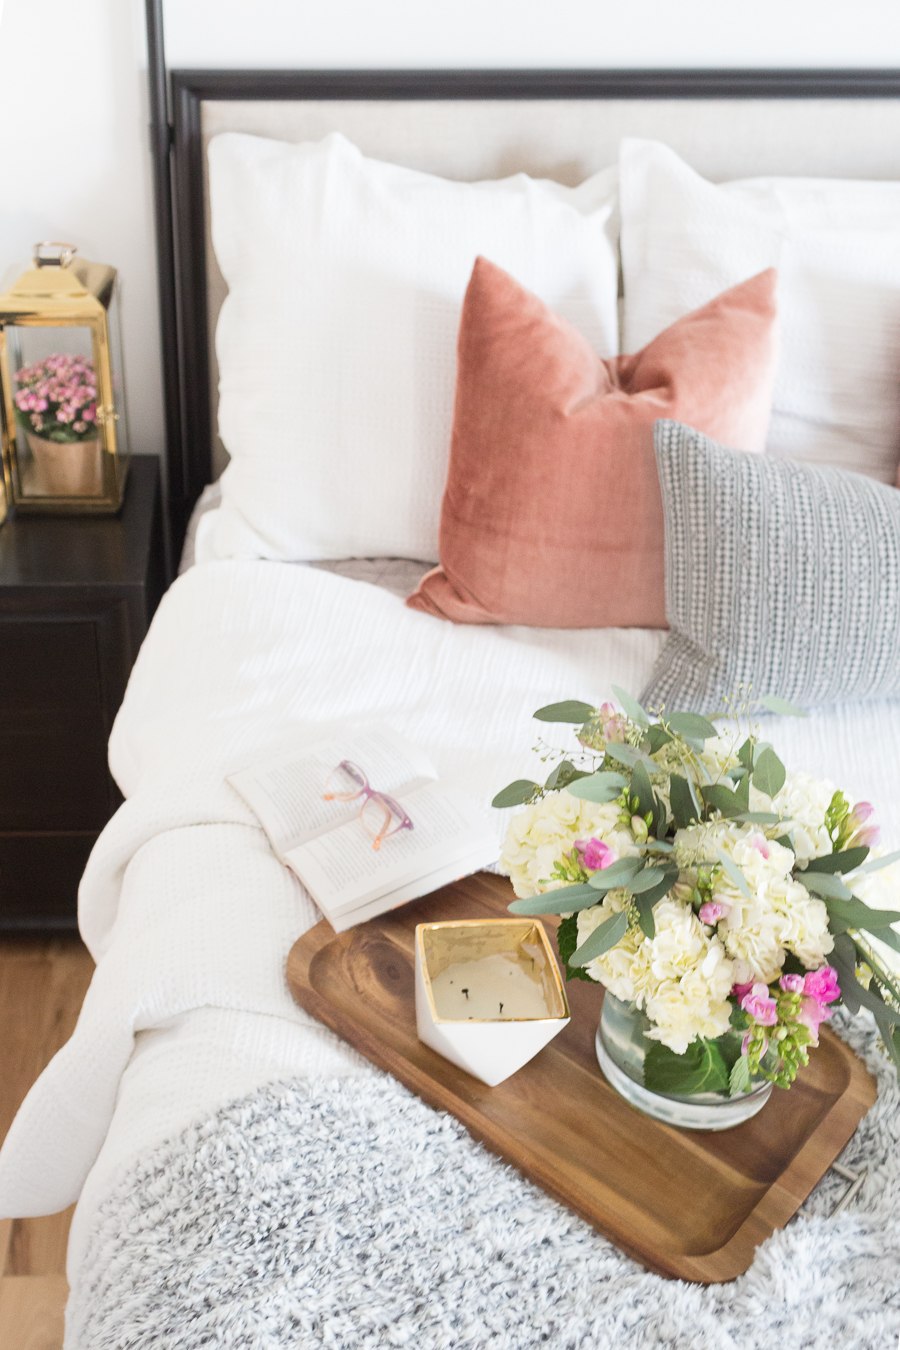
[[468, 125]]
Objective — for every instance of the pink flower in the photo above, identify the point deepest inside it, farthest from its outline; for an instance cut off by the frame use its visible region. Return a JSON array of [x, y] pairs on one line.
[[761, 844], [594, 853], [822, 985], [811, 1013], [760, 1005], [89, 414], [867, 837], [791, 984], [711, 912], [740, 991], [862, 812]]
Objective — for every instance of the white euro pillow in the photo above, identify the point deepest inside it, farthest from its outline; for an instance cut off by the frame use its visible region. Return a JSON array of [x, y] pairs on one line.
[[337, 341], [836, 244]]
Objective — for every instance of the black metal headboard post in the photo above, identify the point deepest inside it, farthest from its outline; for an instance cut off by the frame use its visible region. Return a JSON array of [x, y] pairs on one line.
[[176, 101]]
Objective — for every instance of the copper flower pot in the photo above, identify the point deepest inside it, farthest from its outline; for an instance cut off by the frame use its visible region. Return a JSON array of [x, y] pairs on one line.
[[67, 468]]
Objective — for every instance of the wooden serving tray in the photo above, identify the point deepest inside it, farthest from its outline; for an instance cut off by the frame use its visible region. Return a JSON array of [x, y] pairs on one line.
[[685, 1203]]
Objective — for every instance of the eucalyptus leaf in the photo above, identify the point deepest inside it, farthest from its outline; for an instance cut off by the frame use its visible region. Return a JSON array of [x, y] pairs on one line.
[[611, 931], [769, 774], [875, 864], [745, 754], [598, 787], [683, 801], [824, 884], [735, 873], [646, 920], [568, 899], [691, 726], [758, 748], [781, 706], [631, 707], [854, 994], [570, 710], [566, 942], [517, 793], [658, 737], [619, 873], [630, 755], [660, 816], [852, 913], [786, 841], [562, 770], [758, 818], [658, 846], [845, 861], [730, 804], [647, 878]]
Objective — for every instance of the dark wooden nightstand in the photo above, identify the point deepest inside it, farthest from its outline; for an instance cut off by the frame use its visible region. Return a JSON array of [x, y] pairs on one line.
[[76, 598]]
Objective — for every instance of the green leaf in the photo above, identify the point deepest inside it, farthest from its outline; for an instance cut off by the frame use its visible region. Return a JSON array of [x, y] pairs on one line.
[[570, 710], [566, 942], [619, 873], [646, 920], [740, 1077], [891, 1037], [658, 846], [875, 864], [631, 707], [769, 775], [758, 748], [646, 898], [824, 884], [517, 793], [562, 769], [598, 787], [758, 818], [649, 877], [660, 816], [557, 902], [658, 737], [735, 873], [700, 1069], [852, 913], [630, 755], [854, 994], [683, 801], [611, 931], [691, 726], [642, 788], [745, 754], [845, 861], [786, 841], [781, 706], [730, 803]]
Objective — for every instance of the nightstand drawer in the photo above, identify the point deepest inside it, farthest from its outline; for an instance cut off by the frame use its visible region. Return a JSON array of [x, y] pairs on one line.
[[52, 728]]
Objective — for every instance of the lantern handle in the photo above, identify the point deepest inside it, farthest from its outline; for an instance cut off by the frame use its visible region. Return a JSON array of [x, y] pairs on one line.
[[61, 259]]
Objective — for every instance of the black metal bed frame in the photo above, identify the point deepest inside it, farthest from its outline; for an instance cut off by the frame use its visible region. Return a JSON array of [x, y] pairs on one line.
[[175, 101]]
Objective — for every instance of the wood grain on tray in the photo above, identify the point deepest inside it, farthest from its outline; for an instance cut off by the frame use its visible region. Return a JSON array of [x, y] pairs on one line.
[[686, 1203]]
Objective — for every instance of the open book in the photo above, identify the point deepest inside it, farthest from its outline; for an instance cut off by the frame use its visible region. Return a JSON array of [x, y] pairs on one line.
[[365, 824]]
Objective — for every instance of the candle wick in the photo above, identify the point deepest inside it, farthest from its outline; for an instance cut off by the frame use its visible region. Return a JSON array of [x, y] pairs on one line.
[[466, 992], [501, 1009]]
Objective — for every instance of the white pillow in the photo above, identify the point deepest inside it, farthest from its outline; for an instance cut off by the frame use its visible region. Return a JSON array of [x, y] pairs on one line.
[[836, 245], [337, 341]]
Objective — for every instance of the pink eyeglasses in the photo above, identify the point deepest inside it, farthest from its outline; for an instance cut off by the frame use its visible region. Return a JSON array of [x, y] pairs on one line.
[[380, 814]]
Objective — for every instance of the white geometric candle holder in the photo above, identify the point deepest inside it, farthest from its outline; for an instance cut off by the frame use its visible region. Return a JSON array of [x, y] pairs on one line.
[[464, 970]]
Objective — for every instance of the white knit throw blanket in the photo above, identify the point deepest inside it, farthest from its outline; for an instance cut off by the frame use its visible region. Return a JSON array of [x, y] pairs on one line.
[[349, 1215]]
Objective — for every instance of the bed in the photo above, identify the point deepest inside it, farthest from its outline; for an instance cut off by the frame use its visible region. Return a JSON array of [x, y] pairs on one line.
[[190, 916]]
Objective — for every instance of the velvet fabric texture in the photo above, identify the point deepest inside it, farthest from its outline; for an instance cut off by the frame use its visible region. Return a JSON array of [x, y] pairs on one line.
[[552, 514]]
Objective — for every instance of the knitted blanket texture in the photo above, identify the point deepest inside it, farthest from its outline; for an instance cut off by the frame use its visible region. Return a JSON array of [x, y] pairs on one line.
[[347, 1214]]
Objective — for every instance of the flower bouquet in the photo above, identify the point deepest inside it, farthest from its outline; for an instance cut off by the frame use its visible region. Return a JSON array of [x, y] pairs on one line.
[[56, 407], [730, 904]]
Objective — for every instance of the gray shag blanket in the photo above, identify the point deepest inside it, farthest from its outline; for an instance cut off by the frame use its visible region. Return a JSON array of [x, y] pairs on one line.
[[347, 1214]]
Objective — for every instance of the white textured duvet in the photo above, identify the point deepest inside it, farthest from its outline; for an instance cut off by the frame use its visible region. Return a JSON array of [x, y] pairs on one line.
[[183, 905]]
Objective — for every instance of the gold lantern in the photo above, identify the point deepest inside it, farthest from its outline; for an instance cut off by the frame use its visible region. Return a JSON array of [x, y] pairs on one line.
[[65, 439]]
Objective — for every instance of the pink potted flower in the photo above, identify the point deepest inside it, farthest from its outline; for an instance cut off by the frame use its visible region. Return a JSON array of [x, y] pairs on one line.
[[56, 407]]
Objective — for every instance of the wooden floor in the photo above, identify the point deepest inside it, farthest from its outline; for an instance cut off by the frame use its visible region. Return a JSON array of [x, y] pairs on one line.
[[42, 985]]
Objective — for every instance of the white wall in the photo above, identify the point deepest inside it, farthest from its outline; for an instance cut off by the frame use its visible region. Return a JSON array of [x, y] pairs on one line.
[[73, 106]]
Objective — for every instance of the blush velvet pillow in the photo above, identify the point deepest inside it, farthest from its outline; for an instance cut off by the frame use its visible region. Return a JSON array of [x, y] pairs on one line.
[[552, 514]]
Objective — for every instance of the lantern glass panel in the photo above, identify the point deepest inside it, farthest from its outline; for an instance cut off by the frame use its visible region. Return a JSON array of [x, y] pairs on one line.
[[59, 439]]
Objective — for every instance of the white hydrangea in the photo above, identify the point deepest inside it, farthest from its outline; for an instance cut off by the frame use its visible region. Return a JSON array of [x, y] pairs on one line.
[[542, 833], [803, 801], [881, 890], [681, 977]]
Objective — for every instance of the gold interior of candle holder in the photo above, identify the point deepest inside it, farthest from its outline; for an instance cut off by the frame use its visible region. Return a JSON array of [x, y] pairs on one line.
[[523, 940]]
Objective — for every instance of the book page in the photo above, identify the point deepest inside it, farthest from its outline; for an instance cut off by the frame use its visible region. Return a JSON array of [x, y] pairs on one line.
[[463, 866], [342, 870], [287, 793]]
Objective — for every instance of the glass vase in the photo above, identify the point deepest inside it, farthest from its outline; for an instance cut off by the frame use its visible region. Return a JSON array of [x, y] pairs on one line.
[[621, 1045]]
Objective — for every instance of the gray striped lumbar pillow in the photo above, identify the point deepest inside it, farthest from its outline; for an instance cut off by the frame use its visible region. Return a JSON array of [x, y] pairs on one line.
[[781, 576]]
